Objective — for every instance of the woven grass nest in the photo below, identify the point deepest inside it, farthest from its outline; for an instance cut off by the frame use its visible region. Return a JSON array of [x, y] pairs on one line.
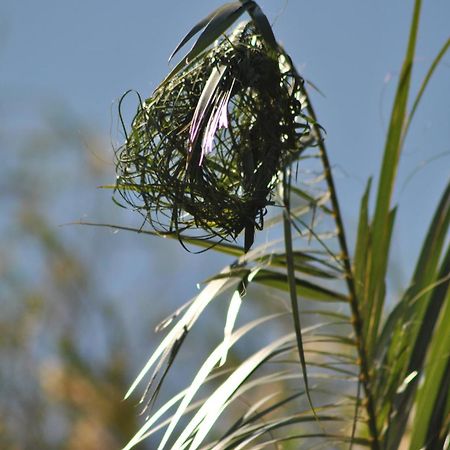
[[205, 151]]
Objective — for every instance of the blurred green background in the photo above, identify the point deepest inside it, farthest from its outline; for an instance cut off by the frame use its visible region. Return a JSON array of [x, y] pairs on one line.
[[78, 305]]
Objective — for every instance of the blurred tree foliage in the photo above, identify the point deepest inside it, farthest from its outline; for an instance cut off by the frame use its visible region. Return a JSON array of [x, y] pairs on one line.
[[64, 351]]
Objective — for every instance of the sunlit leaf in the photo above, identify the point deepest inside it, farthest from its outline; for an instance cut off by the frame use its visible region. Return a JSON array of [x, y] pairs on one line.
[[205, 418], [212, 361], [202, 300]]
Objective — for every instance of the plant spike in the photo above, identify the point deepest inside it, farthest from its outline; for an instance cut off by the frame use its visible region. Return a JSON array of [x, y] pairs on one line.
[[393, 148]]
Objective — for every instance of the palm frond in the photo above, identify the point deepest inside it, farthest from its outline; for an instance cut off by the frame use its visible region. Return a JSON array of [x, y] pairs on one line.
[[224, 147], [407, 334], [329, 348]]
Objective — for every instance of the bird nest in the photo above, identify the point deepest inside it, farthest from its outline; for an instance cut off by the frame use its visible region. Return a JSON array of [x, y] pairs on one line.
[[204, 153]]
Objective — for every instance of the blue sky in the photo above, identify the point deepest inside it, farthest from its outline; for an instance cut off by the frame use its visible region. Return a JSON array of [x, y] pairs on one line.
[[83, 55]]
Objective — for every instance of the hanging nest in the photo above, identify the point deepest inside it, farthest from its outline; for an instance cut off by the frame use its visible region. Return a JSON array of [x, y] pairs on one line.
[[205, 151]]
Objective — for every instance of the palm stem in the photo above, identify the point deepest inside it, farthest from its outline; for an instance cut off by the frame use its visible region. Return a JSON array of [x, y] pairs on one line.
[[364, 376]]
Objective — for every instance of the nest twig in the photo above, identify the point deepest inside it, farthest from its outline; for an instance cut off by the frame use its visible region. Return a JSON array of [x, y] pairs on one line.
[[204, 152]]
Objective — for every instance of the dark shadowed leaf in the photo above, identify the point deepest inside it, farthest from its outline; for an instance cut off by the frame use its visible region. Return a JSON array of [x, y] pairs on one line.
[[263, 25], [434, 390], [213, 20], [219, 22]]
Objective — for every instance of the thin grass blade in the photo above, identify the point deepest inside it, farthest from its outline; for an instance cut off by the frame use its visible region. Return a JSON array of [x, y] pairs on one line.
[[382, 217], [228, 249], [424, 85], [291, 283]]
